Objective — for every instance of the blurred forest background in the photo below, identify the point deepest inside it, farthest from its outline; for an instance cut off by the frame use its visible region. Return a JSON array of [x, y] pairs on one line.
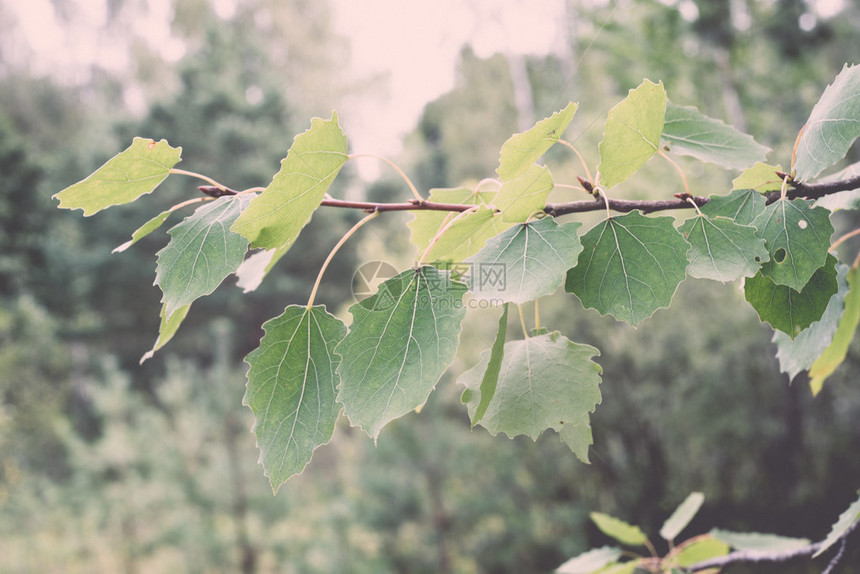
[[106, 466]]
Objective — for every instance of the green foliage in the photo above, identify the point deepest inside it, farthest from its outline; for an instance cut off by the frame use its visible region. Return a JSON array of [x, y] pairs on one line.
[[758, 541], [523, 195], [682, 516], [621, 531], [521, 151], [721, 249], [840, 527], [831, 357]]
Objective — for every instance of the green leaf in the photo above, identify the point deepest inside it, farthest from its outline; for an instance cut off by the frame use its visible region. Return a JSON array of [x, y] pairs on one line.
[[799, 354], [136, 171], [682, 516], [590, 561], [754, 541], [742, 206], [545, 382], [166, 329], [630, 267], [788, 310], [687, 131], [490, 380], [700, 549], [144, 230], [525, 262], [523, 149], [275, 218], [467, 235], [522, 196], [202, 252], [632, 133], [798, 237], [619, 530], [832, 126], [760, 177], [836, 351], [426, 224], [722, 250], [292, 385], [401, 341], [846, 520], [254, 269]]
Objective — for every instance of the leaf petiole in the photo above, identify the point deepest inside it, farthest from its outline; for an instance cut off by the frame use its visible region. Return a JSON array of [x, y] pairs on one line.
[[200, 176], [445, 227], [523, 322], [396, 168], [579, 155], [665, 156]]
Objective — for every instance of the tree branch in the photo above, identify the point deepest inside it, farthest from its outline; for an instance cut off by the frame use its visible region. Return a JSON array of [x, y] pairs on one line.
[[798, 190]]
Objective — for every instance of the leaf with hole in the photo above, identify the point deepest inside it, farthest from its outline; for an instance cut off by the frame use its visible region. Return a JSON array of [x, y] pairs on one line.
[[630, 266], [136, 171], [292, 388], [522, 196], [722, 250], [401, 341], [521, 150], [546, 382], [525, 262]]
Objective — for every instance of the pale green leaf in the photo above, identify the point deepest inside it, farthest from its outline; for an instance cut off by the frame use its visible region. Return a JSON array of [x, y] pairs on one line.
[[490, 380], [682, 516], [166, 329], [632, 133], [136, 171], [275, 218], [788, 310], [292, 387], [722, 250], [840, 527], [798, 355], [426, 224], [144, 230], [545, 382], [760, 177], [687, 131], [590, 561], [202, 252], [522, 196], [702, 548], [619, 530], [466, 235], [525, 262], [798, 237], [742, 206], [401, 341], [836, 351], [631, 266], [832, 126], [849, 199], [521, 150], [757, 542], [254, 269]]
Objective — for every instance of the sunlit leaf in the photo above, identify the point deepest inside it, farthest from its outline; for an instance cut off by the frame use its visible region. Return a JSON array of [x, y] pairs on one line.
[[849, 199], [523, 195], [426, 224], [742, 206], [525, 262], [490, 379], [590, 561], [760, 177], [722, 250], [687, 131], [832, 126], [619, 530], [755, 541], [521, 150], [292, 386], [632, 133], [835, 353], [467, 235], [275, 218], [702, 548], [166, 329], [682, 516], [400, 342], [846, 521], [254, 269], [136, 171], [631, 266]]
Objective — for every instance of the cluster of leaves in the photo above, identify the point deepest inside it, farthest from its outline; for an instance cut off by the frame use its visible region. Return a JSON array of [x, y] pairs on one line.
[[498, 242]]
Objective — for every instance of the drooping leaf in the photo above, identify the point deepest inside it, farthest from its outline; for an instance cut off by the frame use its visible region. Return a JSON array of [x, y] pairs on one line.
[[619, 530], [687, 131], [786, 309], [722, 250], [166, 329], [136, 171], [467, 235], [525, 262], [682, 516], [590, 561], [523, 195], [836, 351], [426, 224], [292, 385], [798, 237], [631, 266], [760, 177], [202, 252], [755, 541], [798, 355], [742, 206], [254, 269], [846, 520], [702, 548], [275, 218], [832, 126], [521, 150], [545, 382], [490, 380], [632, 133], [401, 341], [144, 230]]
